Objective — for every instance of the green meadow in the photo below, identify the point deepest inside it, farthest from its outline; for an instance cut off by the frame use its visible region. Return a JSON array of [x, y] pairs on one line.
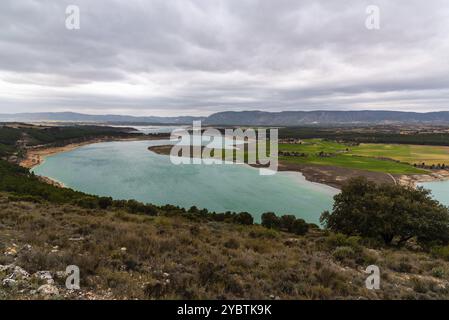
[[388, 158], [413, 154]]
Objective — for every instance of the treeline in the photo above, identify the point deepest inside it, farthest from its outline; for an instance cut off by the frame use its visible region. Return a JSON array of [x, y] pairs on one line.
[[9, 136], [287, 223], [346, 134], [37, 135]]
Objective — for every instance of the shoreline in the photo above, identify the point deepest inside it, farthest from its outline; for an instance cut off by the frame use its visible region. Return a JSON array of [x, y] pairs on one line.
[[36, 155], [414, 180], [329, 176], [335, 177]]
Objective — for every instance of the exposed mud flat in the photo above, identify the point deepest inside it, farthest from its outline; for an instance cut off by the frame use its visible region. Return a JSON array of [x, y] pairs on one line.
[[413, 180]]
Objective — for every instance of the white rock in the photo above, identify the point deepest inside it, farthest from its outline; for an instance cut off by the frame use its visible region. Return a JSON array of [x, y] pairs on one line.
[[48, 290], [44, 275], [19, 273], [61, 274], [26, 247], [8, 282], [5, 268]]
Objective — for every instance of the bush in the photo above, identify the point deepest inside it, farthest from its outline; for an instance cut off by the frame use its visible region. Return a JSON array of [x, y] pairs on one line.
[[438, 272], [340, 240], [300, 227], [287, 222], [244, 218], [342, 253], [270, 220], [105, 202], [87, 202], [232, 244], [440, 252]]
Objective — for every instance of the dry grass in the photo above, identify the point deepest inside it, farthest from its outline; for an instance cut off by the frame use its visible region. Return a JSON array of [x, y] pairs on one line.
[[128, 256]]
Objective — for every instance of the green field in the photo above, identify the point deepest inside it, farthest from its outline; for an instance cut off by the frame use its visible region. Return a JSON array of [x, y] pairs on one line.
[[372, 157], [430, 155]]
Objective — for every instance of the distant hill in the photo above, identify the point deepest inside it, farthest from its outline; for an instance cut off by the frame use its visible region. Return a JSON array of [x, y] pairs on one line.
[[79, 117], [285, 118], [293, 118]]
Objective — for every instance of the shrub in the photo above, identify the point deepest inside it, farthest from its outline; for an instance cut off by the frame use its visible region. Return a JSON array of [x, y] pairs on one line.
[[342, 253], [270, 220], [287, 222], [155, 289], [105, 202], [340, 240], [87, 202], [300, 227], [244, 218], [440, 252], [438, 272], [232, 244], [258, 232]]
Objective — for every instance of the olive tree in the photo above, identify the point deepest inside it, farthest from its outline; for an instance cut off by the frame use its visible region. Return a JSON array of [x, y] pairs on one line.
[[388, 211]]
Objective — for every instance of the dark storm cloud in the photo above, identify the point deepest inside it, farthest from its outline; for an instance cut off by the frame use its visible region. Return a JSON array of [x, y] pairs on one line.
[[202, 56]]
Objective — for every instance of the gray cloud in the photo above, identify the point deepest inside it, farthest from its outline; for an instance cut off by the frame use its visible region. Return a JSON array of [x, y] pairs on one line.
[[202, 56]]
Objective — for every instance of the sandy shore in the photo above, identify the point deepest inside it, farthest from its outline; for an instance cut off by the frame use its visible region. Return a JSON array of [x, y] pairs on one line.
[[35, 157]]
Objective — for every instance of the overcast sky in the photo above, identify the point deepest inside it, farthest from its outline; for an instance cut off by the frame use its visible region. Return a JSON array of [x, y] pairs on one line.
[[185, 57]]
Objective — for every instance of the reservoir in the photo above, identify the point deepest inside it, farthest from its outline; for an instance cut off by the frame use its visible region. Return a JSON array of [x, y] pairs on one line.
[[127, 170]]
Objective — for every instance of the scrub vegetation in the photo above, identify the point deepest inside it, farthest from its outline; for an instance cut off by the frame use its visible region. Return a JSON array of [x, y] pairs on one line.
[[137, 256]]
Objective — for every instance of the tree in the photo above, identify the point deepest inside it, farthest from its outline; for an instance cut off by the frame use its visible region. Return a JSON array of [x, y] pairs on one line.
[[244, 218], [193, 209], [287, 222], [105, 202], [270, 220], [388, 211], [300, 227]]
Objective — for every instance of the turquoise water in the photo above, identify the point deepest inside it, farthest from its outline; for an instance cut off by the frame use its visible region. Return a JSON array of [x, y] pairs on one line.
[[440, 190], [127, 170]]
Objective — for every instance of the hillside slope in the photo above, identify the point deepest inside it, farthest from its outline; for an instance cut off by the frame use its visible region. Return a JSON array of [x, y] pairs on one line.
[[127, 256]]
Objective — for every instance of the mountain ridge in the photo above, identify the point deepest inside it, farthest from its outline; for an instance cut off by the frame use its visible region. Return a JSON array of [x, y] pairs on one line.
[[81, 117], [255, 117]]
